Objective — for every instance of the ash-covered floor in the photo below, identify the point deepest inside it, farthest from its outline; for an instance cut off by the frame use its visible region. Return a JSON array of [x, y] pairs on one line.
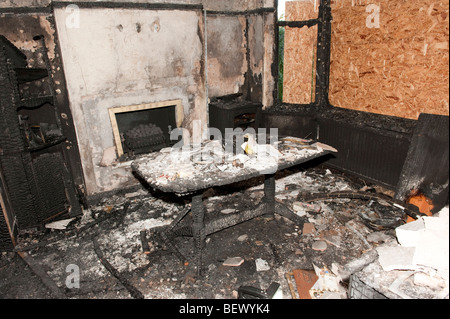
[[335, 235]]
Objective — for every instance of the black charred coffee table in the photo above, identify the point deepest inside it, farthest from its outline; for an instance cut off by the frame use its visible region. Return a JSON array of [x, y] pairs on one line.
[[191, 173]]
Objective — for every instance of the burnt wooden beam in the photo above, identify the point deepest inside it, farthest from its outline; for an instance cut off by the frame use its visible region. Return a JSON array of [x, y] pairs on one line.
[[426, 168], [248, 74], [128, 5], [134, 292], [26, 10], [243, 12], [43, 276], [410, 210], [298, 24], [323, 53], [276, 55]]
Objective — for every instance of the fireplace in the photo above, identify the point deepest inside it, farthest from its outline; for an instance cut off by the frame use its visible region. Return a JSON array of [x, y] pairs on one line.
[[144, 128]]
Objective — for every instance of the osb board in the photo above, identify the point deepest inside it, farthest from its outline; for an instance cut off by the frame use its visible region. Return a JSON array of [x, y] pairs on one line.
[[299, 53], [302, 10], [399, 69]]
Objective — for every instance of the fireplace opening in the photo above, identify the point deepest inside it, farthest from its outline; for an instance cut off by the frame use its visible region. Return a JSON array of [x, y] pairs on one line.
[[146, 128], [146, 131]]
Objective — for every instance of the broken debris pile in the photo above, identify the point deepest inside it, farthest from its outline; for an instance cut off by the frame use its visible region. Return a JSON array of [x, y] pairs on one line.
[[413, 264], [417, 264]]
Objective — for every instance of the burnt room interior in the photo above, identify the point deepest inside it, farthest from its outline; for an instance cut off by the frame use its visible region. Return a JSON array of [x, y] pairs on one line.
[[92, 91]]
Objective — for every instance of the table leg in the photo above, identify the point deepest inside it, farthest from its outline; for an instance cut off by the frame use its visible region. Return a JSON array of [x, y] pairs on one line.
[[168, 234], [169, 243], [198, 229], [269, 195], [272, 206], [284, 211]]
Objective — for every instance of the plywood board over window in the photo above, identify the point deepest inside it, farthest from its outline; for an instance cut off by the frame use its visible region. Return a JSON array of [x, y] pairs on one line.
[[299, 53], [390, 56]]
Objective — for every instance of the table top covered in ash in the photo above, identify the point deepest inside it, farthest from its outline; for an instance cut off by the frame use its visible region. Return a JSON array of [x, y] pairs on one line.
[[191, 169]]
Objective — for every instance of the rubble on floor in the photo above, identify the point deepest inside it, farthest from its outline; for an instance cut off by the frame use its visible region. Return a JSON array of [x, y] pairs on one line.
[[415, 265], [340, 240]]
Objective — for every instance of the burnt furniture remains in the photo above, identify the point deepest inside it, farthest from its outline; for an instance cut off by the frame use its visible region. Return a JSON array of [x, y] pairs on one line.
[[36, 186], [426, 169], [192, 172], [234, 112]]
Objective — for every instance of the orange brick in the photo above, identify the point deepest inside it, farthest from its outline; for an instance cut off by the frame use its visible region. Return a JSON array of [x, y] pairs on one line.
[[304, 279]]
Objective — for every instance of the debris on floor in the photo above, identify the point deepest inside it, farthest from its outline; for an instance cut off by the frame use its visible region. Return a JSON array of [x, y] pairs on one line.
[[416, 264], [114, 250], [233, 261], [60, 224], [304, 280]]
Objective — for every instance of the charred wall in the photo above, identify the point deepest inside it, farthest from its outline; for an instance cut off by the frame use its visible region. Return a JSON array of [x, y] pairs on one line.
[[227, 57], [241, 54]]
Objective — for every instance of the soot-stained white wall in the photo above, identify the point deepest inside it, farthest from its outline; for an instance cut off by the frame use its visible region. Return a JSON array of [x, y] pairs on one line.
[[120, 57]]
